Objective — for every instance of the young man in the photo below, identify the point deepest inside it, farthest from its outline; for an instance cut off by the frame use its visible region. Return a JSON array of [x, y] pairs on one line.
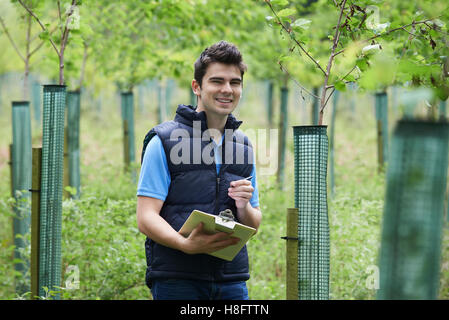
[[199, 161]]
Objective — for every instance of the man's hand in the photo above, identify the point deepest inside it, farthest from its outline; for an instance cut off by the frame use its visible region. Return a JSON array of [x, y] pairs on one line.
[[200, 242], [241, 191]]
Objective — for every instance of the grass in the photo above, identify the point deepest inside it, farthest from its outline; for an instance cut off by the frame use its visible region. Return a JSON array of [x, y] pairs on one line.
[[100, 236]]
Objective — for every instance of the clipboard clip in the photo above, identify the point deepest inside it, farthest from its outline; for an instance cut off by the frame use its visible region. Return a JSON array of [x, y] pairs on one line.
[[226, 215], [225, 219]]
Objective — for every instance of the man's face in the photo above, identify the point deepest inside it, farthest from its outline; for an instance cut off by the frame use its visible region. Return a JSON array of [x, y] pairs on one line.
[[221, 89]]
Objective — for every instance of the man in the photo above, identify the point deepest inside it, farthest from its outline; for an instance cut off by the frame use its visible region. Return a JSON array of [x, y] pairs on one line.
[[177, 177]]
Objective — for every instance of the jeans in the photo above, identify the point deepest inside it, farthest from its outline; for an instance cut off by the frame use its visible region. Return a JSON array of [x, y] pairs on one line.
[[180, 289]]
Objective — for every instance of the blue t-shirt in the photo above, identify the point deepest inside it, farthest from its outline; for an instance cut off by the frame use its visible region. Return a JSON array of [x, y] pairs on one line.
[[154, 179]]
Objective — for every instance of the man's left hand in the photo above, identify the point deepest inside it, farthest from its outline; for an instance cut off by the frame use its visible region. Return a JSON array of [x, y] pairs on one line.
[[241, 191]]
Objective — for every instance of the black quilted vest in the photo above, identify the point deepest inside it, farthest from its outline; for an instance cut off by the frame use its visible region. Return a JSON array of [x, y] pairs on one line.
[[195, 184]]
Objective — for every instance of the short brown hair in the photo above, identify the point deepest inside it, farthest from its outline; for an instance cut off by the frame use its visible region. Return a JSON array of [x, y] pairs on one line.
[[223, 52]]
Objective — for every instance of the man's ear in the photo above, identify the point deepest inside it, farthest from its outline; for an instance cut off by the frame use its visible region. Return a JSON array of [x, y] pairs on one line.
[[196, 88]]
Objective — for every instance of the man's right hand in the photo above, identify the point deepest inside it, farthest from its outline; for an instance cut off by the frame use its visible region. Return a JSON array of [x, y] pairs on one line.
[[201, 242]]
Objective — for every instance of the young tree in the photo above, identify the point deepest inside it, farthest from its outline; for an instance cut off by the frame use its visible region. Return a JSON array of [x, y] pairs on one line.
[[25, 54], [68, 20], [372, 53]]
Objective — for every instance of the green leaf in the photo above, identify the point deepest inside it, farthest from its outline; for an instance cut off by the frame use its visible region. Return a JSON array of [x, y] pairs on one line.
[[279, 2], [301, 24], [286, 12], [350, 78], [44, 35], [362, 64], [340, 86]]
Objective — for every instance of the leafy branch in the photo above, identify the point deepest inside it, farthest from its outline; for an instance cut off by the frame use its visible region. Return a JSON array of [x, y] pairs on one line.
[[329, 64], [289, 31], [64, 33], [26, 57], [326, 73], [403, 28], [346, 12]]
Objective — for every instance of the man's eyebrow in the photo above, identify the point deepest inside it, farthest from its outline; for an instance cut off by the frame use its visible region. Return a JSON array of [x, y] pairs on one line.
[[220, 78]]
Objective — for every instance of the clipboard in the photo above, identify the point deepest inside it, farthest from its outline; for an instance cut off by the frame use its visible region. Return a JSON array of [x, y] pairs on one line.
[[221, 223]]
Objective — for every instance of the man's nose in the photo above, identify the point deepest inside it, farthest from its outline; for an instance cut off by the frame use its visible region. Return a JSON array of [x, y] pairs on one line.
[[226, 87]]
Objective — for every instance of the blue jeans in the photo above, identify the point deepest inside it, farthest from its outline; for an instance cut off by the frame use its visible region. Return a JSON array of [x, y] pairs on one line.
[[180, 289]]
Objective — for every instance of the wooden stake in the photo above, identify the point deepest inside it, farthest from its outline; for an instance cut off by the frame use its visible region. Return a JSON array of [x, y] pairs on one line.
[[35, 220], [126, 145], [292, 253]]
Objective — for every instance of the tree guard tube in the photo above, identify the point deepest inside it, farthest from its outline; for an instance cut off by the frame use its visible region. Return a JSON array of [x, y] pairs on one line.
[[54, 103], [414, 211], [21, 183], [311, 153]]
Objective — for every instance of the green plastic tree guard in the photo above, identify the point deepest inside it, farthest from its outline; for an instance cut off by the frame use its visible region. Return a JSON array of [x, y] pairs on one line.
[[128, 129], [51, 187], [170, 87], [442, 109], [140, 97], [73, 139], [192, 97], [331, 143], [315, 106], [21, 184], [36, 99], [283, 135], [310, 159], [381, 111], [160, 102], [410, 252], [352, 86]]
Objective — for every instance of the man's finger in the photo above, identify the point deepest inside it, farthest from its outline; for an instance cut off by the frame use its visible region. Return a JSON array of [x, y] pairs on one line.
[[240, 195], [242, 188], [221, 236], [225, 243], [198, 229], [242, 182]]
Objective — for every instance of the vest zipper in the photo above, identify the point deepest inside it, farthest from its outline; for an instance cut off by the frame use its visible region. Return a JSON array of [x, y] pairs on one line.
[[217, 195]]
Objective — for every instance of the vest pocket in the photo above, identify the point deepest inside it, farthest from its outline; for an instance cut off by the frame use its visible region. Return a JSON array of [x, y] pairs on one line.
[[186, 186], [239, 264]]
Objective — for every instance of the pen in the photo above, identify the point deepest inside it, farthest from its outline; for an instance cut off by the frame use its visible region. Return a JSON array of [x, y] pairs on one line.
[[247, 178]]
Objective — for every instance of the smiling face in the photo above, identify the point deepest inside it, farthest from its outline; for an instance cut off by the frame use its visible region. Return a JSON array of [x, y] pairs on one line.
[[221, 89]]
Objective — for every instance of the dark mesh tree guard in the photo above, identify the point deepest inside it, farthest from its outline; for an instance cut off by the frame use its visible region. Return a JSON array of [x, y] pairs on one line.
[[36, 96], [21, 183], [442, 110], [170, 87], [128, 129], [315, 106], [331, 143], [140, 97], [381, 111], [160, 103], [283, 135], [51, 187], [311, 151], [73, 139], [414, 210], [192, 97]]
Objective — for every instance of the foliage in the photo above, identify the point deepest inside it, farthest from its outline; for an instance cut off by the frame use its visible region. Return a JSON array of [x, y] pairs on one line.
[[131, 41], [410, 45]]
